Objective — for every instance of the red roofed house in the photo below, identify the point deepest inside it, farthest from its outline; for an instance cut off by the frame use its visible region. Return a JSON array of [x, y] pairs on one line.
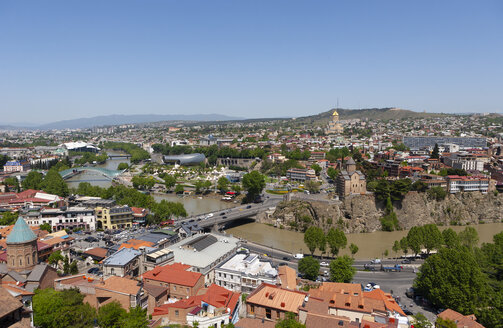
[[460, 320], [176, 278], [213, 307], [139, 214]]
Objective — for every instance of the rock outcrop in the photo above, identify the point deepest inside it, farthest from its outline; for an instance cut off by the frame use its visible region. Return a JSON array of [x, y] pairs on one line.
[[362, 213]]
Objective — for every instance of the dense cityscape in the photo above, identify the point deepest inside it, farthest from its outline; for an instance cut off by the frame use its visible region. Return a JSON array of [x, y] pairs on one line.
[[138, 225]]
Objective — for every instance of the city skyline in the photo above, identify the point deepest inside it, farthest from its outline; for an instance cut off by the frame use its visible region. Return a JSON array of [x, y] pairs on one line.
[[281, 59]]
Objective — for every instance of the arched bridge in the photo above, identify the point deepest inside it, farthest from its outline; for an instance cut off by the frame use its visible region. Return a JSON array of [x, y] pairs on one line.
[[107, 173]]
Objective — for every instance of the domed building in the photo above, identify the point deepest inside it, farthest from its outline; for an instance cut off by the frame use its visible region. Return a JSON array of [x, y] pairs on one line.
[[334, 126], [22, 253]]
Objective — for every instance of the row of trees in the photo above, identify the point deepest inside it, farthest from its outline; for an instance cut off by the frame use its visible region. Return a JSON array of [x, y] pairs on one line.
[[51, 183], [429, 237], [315, 238], [62, 309], [466, 278], [341, 269]]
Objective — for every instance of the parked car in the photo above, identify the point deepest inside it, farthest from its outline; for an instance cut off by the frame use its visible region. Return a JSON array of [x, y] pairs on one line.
[[286, 258], [376, 261], [406, 261], [93, 270], [324, 264], [249, 206]]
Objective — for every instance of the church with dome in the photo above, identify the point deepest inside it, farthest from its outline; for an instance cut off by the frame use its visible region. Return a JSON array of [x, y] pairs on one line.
[[334, 126], [23, 267]]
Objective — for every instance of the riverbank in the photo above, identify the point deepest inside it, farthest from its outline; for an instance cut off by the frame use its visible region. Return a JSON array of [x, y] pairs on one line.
[[371, 245]]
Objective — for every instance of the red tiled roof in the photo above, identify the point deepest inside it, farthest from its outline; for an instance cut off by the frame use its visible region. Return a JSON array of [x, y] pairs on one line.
[[174, 274]]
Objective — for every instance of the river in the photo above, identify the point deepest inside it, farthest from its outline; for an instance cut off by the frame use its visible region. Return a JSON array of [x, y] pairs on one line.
[[371, 245]]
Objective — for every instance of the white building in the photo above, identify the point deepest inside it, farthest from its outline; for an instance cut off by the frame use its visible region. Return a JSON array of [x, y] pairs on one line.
[[245, 272], [457, 183], [63, 218]]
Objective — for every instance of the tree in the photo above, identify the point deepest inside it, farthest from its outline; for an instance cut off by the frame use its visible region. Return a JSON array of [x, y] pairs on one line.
[[11, 181], [53, 183], [236, 188], [110, 314], [452, 279], [199, 184], [254, 183], [223, 184], [445, 323], [74, 268], [179, 189], [432, 237], [332, 173], [469, 237], [309, 267], [435, 153], [354, 249], [313, 237], [316, 168], [450, 238], [33, 180], [135, 318], [169, 181], [436, 193], [9, 218], [396, 247], [336, 240], [341, 269], [55, 257], [415, 239], [420, 321], [312, 186], [404, 245], [61, 309], [46, 227], [419, 186], [122, 166], [289, 322]]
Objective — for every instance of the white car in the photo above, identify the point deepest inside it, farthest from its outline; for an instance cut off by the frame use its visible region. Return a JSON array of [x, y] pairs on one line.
[[210, 215], [376, 261], [325, 264]]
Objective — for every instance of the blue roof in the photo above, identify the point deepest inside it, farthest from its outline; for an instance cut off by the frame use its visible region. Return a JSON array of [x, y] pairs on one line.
[[21, 233], [122, 257]]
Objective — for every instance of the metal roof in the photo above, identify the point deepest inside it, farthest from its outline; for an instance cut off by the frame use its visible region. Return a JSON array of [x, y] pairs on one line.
[[202, 242], [21, 233], [122, 257]]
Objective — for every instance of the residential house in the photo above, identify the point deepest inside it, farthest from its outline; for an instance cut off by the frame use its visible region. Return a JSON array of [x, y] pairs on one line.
[[124, 262], [461, 321], [175, 278]]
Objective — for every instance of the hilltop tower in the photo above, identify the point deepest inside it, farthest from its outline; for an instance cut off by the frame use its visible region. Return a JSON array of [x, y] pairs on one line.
[[334, 126], [22, 252]]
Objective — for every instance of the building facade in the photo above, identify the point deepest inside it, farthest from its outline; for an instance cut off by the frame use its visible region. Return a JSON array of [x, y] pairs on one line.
[[17, 166], [117, 217], [64, 218], [350, 181]]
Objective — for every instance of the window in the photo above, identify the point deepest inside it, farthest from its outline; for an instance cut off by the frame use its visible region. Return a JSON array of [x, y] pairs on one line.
[[174, 287], [176, 313], [187, 290], [278, 314], [252, 309], [268, 313]]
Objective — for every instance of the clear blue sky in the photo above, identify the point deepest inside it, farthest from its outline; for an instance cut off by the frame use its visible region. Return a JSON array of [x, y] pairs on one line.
[[260, 58]]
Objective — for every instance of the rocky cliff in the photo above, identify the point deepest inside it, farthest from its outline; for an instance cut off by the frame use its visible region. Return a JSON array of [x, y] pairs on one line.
[[363, 213]]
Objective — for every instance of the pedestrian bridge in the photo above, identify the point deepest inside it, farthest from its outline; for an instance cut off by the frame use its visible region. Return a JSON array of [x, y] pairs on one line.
[[107, 173]]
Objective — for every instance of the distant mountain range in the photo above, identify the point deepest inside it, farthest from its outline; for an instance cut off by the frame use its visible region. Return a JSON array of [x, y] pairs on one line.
[[84, 123]]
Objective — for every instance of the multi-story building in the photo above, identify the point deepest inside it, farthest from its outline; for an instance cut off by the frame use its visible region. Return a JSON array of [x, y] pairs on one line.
[[124, 262], [244, 273], [176, 279], [467, 162], [300, 175], [63, 218], [316, 156], [350, 181], [17, 166], [117, 217], [456, 183], [204, 252]]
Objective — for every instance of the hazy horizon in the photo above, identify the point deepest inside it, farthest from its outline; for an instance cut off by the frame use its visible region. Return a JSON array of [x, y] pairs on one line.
[[282, 58]]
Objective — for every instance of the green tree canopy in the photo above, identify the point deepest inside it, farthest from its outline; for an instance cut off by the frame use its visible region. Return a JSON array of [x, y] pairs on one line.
[[109, 315], [53, 183], [415, 239], [450, 238], [253, 183], [122, 166], [469, 237], [223, 184], [336, 240], [33, 180], [309, 267], [341, 269], [61, 309], [289, 322], [354, 249], [432, 237], [135, 318], [313, 237], [452, 279], [46, 226]]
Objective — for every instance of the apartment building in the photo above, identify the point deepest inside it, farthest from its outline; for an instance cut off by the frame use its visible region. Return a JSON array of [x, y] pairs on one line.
[[300, 175], [116, 217], [124, 262], [17, 166], [63, 218], [176, 279], [456, 183], [244, 273]]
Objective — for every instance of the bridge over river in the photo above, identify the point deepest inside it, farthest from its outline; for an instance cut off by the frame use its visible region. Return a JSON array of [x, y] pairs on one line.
[[223, 217], [107, 173]]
